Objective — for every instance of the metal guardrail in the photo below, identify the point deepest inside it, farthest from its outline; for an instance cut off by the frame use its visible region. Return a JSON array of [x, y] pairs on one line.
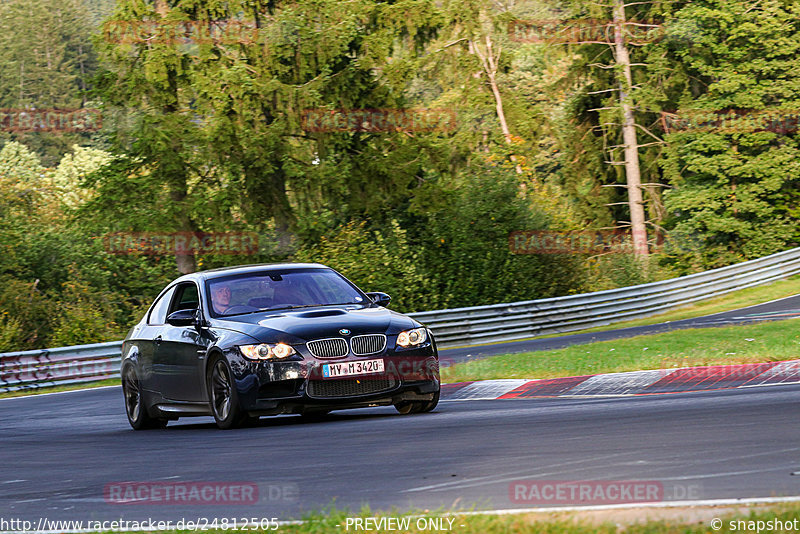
[[520, 320], [61, 366], [459, 326]]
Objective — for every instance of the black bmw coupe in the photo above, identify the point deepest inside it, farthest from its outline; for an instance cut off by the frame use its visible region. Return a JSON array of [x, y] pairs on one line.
[[242, 342]]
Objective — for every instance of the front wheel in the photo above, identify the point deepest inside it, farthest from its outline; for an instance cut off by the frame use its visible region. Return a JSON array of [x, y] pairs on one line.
[[409, 407], [223, 397], [134, 403]]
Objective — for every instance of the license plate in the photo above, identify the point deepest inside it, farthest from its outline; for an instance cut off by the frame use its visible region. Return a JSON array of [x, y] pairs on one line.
[[361, 367]]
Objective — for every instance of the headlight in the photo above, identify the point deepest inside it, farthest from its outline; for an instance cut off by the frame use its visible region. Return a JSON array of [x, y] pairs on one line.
[[265, 351], [411, 338]]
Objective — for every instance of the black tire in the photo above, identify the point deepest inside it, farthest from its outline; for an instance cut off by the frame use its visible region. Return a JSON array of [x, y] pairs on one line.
[[135, 407], [410, 407], [222, 396]]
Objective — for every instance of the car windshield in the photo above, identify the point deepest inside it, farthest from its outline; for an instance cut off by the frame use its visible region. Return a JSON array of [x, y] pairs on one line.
[[273, 290]]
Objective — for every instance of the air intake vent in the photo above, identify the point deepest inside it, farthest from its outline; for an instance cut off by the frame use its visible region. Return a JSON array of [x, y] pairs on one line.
[[368, 344], [350, 387], [334, 347]]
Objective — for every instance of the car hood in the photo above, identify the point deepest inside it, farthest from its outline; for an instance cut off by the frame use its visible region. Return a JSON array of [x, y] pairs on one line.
[[301, 325]]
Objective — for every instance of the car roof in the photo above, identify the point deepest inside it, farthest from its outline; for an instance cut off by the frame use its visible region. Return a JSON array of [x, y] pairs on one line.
[[245, 269]]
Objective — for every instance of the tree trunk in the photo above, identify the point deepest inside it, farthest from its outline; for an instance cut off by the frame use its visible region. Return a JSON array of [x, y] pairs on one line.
[[185, 263], [632, 171], [185, 260], [489, 62], [21, 83], [176, 175], [161, 7]]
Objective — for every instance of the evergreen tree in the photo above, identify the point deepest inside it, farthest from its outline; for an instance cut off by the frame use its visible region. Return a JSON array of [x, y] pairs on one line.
[[46, 61], [733, 156]]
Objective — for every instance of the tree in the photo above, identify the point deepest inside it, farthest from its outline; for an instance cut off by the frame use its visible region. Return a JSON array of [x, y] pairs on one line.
[[47, 69], [74, 169], [733, 155], [222, 116], [623, 85]]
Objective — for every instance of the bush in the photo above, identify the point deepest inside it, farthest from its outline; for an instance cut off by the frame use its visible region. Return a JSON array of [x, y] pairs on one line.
[[467, 250], [454, 250], [612, 271], [27, 308], [11, 336], [376, 261], [86, 317]]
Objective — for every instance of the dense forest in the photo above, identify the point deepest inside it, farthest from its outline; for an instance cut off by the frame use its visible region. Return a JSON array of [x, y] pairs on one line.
[[400, 142]]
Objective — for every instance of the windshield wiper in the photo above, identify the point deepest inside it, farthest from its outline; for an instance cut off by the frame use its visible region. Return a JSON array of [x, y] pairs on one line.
[[296, 306], [293, 307]]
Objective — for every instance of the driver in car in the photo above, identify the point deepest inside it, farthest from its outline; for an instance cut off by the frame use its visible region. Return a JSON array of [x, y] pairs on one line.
[[221, 298]]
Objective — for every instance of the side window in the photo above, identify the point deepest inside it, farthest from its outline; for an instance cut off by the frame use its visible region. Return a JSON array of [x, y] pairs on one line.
[[186, 298], [158, 312]]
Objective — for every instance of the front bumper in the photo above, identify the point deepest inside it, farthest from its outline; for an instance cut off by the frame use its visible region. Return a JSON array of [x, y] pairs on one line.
[[298, 385]]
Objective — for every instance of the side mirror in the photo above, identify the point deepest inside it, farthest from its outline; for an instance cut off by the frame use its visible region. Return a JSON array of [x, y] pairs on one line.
[[182, 318], [381, 299]]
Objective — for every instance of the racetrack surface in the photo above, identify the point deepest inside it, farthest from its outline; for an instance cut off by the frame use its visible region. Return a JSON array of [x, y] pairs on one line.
[[776, 310], [60, 451]]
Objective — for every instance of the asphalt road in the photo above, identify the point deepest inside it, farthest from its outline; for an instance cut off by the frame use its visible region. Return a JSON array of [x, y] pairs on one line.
[[786, 308], [59, 453]]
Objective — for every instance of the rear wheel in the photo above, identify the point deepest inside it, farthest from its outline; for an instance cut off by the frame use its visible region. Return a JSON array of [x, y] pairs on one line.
[[134, 403], [223, 397], [409, 407]]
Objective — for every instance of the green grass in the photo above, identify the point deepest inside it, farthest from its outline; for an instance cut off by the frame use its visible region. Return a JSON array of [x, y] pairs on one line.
[[56, 389], [732, 301], [693, 520], [764, 342], [689, 520]]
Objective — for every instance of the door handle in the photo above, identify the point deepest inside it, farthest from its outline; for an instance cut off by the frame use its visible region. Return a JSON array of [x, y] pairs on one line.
[[157, 340]]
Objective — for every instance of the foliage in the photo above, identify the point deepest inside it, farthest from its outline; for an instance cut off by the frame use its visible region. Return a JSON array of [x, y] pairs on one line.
[[46, 61], [27, 313], [54, 269], [735, 175], [20, 164], [377, 261], [623, 269], [86, 316], [74, 169], [11, 334], [213, 135], [465, 236]]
